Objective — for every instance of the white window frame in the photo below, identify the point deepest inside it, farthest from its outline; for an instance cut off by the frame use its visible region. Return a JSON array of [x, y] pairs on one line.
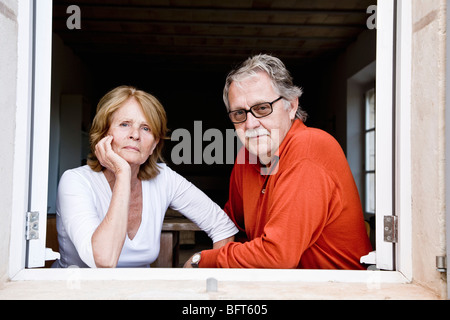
[[32, 131], [403, 165], [393, 138], [39, 131], [384, 169], [40, 126]]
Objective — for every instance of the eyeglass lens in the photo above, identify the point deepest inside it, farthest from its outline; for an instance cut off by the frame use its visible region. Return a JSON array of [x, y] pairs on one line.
[[259, 111]]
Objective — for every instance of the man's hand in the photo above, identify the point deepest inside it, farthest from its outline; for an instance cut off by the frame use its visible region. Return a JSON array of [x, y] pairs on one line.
[[216, 245], [188, 263]]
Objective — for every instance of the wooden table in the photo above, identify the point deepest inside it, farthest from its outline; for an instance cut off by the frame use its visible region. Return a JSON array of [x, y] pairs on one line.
[[170, 240]]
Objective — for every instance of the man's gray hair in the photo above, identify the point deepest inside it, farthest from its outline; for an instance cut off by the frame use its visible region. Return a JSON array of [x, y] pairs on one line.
[[276, 70]]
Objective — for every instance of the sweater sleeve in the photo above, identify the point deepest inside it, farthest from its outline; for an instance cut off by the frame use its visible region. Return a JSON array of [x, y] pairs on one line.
[[298, 211]]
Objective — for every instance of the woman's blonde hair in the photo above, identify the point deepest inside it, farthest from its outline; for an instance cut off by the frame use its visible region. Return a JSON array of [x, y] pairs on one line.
[[153, 111]]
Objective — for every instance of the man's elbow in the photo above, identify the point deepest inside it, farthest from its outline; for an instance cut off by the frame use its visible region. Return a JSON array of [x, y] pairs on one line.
[[281, 261], [288, 264]]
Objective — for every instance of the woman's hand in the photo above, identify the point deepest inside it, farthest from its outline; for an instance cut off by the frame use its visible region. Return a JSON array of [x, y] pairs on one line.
[[109, 237], [108, 158]]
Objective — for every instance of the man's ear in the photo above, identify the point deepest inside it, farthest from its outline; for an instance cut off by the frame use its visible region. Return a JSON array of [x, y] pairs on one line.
[[293, 108]]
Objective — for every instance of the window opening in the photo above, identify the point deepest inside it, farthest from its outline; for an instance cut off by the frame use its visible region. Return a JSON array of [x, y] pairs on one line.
[[369, 160], [370, 151], [370, 154]]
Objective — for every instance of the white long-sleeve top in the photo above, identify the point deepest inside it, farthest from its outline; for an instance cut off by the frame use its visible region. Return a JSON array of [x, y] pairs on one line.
[[83, 200]]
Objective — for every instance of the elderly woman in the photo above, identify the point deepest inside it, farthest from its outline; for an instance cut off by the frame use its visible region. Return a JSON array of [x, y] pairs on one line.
[[110, 212]]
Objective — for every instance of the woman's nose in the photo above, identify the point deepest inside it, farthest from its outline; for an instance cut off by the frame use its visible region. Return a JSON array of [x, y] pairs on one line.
[[134, 133]]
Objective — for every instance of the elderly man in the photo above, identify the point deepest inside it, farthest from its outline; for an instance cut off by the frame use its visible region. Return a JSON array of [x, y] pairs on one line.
[[297, 202]]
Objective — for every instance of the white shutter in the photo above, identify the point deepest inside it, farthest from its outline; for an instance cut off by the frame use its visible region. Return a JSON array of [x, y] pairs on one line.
[[385, 129], [40, 126], [385, 107], [383, 257]]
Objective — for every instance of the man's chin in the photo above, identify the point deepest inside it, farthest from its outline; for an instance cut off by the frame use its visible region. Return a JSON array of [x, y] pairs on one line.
[[263, 156]]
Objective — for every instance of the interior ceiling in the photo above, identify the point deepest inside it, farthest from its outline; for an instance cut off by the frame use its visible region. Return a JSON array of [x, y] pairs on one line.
[[211, 31]]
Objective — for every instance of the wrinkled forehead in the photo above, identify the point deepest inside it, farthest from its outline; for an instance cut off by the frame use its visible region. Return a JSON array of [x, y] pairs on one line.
[[250, 91], [252, 78], [256, 81]]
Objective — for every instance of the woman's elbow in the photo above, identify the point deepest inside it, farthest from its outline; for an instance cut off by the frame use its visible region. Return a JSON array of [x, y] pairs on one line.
[[105, 256], [104, 263], [104, 260]]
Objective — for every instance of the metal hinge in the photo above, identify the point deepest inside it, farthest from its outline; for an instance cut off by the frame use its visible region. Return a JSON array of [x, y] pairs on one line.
[[441, 264], [391, 229], [32, 226]]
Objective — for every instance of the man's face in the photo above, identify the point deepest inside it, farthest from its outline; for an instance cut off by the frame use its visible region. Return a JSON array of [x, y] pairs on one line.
[[261, 136]]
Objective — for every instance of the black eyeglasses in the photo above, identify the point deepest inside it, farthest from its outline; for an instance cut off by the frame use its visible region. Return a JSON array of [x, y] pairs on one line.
[[259, 110]]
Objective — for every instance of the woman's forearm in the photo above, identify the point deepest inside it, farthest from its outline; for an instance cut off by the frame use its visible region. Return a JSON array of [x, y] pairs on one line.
[[221, 243], [108, 239]]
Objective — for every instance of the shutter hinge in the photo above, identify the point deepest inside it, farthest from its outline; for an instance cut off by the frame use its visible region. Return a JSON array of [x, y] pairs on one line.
[[391, 229], [32, 226]]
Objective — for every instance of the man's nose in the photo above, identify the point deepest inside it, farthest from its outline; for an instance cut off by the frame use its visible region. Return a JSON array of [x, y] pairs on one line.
[[251, 121]]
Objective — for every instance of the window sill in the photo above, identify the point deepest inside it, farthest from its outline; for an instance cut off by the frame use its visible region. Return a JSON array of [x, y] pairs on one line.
[[191, 284]]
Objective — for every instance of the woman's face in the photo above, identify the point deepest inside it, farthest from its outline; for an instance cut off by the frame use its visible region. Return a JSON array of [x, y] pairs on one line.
[[133, 139]]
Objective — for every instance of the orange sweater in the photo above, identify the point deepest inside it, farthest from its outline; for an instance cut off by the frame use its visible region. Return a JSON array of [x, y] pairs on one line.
[[309, 215]]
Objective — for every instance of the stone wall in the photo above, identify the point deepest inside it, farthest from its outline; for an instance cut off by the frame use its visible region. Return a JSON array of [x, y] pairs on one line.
[[8, 80], [428, 139]]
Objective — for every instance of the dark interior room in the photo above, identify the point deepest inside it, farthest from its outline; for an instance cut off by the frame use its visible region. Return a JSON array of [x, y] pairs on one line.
[[181, 52]]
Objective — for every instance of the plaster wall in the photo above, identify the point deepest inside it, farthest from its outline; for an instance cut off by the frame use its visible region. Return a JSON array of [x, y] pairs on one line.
[[8, 80], [428, 138]]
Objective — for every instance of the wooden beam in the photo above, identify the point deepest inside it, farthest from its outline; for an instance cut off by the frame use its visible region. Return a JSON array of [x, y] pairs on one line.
[[262, 30], [204, 41], [146, 50]]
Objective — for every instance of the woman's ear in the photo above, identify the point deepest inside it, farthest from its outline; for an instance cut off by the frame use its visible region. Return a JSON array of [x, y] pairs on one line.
[[155, 144]]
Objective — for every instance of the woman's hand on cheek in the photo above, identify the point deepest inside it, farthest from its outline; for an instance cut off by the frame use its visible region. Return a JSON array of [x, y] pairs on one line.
[[110, 159]]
